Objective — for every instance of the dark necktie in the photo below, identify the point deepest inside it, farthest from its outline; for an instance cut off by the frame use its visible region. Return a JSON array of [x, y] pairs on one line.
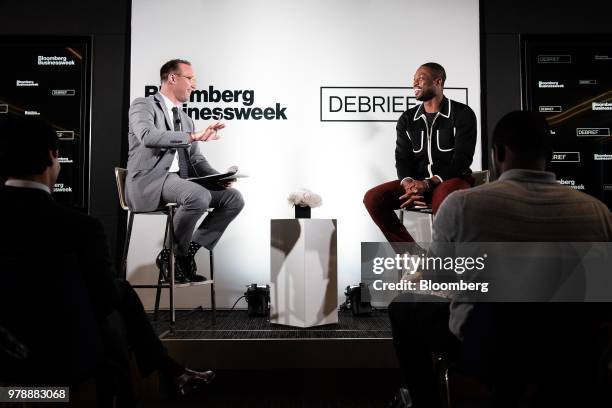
[[183, 154]]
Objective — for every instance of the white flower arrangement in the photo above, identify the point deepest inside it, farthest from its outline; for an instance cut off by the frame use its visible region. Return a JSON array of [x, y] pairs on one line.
[[304, 198]]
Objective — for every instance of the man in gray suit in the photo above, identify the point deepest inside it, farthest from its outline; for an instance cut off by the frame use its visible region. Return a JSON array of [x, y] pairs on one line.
[[162, 153]]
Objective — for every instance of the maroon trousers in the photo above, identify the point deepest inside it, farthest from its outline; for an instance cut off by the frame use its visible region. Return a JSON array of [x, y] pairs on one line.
[[382, 201]]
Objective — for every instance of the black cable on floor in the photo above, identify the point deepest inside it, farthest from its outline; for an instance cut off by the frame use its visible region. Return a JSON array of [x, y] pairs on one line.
[[236, 302]]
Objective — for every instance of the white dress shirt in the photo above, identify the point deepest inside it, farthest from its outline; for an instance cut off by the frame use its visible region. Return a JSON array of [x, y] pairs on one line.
[[174, 167]]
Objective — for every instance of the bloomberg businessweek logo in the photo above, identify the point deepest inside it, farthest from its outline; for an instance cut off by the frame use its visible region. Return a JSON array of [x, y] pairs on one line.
[[373, 104], [242, 108]]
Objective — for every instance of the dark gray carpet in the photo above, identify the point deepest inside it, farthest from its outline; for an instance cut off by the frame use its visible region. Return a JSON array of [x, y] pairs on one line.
[[237, 324]]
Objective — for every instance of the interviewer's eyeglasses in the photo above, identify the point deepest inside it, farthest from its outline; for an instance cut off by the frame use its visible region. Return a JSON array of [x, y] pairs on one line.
[[191, 79]]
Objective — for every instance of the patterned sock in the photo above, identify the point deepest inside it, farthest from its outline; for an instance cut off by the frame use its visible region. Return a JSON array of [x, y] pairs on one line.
[[164, 254], [193, 248]]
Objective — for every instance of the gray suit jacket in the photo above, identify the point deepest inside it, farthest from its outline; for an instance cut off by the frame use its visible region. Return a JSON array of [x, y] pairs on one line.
[[152, 145]]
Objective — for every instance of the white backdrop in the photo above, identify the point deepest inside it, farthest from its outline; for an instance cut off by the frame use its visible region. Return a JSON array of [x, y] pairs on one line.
[[285, 51]]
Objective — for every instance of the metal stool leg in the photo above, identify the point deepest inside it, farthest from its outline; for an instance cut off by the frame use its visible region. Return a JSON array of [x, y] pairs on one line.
[[160, 278], [160, 281], [213, 304], [171, 266], [126, 245]]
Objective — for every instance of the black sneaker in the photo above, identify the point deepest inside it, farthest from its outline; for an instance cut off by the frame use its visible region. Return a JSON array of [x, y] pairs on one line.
[[401, 399]]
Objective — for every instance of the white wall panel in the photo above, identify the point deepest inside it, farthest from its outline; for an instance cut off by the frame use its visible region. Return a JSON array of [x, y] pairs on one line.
[[285, 51]]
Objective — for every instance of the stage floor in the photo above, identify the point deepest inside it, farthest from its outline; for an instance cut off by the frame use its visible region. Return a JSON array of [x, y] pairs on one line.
[[238, 341], [236, 324]]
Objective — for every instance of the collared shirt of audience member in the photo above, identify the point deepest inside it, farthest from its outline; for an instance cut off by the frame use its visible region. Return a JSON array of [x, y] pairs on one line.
[[434, 149], [510, 347], [64, 315], [165, 149]]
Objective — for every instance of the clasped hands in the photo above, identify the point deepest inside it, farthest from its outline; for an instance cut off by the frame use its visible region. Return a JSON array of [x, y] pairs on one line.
[[210, 133], [415, 190]]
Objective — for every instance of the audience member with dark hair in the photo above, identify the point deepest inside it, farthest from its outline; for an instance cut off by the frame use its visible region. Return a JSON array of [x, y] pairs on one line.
[[58, 294], [519, 341]]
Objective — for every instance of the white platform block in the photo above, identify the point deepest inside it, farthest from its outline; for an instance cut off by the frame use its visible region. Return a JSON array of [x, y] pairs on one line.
[[303, 272]]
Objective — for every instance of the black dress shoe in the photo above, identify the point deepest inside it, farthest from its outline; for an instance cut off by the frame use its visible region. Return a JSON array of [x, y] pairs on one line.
[[186, 266], [401, 399], [162, 263], [190, 381]]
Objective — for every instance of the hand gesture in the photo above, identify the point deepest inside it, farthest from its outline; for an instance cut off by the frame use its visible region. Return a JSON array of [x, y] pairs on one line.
[[210, 133]]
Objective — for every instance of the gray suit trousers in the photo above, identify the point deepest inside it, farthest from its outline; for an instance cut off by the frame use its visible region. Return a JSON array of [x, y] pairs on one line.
[[193, 200]]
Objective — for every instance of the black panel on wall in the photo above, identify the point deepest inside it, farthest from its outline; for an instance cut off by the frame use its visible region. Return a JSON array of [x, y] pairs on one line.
[[503, 23], [108, 24]]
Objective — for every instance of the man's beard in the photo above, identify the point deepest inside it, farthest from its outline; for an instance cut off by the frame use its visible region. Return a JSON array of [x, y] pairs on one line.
[[426, 95]]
